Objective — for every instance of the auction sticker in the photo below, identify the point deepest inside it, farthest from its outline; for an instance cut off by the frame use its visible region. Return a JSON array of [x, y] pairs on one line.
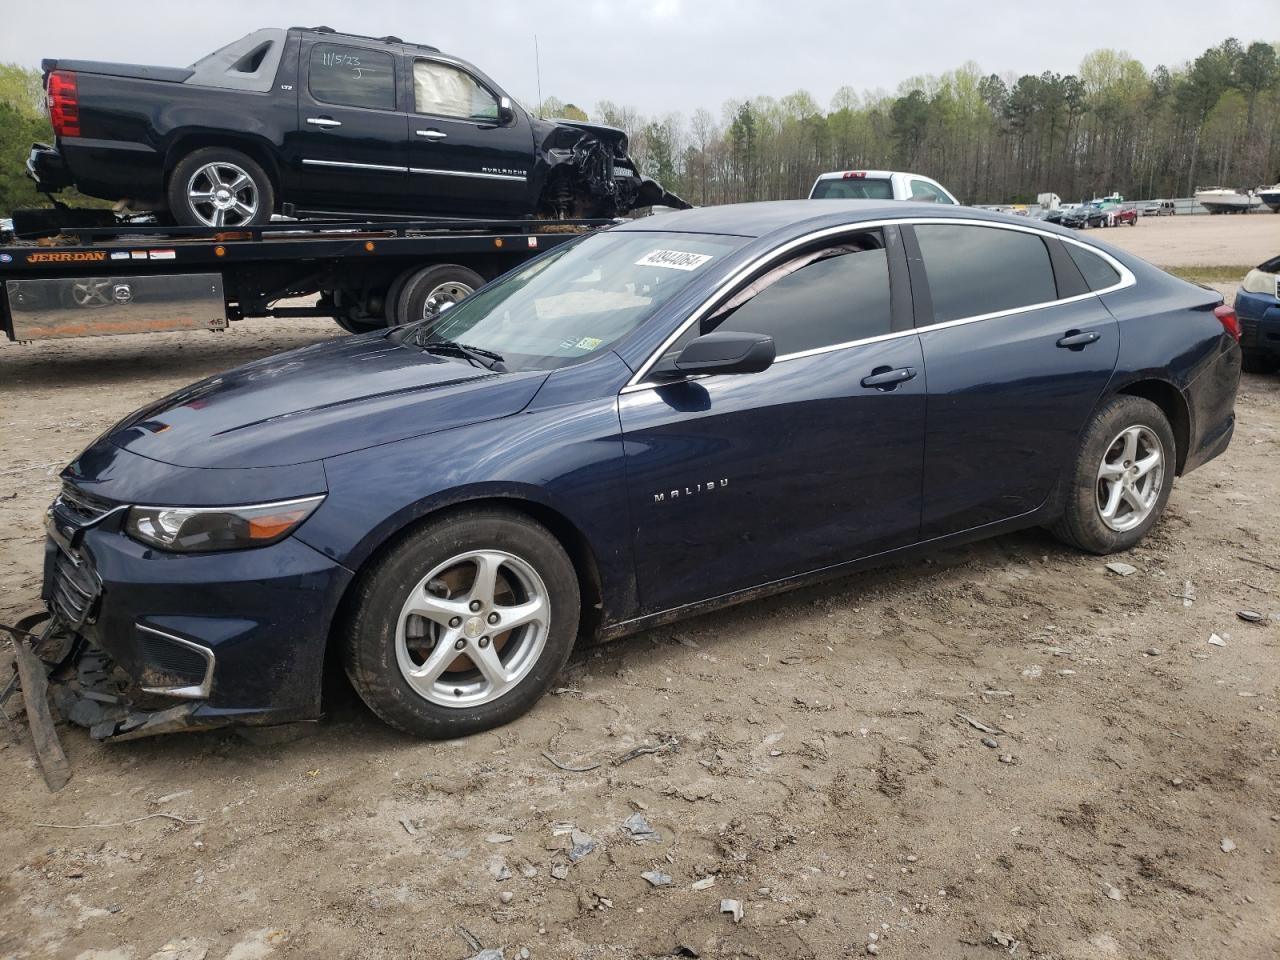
[[673, 260]]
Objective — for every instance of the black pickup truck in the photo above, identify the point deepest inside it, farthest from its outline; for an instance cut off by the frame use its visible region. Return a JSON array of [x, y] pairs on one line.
[[311, 122]]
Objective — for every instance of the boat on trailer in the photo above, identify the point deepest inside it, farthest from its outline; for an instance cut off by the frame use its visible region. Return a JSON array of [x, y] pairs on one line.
[[1225, 200]]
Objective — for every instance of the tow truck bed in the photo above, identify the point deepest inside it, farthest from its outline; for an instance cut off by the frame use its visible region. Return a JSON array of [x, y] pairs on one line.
[[146, 279]]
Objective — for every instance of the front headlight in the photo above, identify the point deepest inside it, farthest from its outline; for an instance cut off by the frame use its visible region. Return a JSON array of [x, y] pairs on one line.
[[200, 529], [1258, 281]]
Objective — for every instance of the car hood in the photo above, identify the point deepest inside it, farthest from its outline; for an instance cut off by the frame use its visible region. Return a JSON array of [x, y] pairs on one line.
[[320, 402]]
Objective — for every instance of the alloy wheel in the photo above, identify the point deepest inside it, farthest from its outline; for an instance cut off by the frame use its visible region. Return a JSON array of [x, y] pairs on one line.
[[1130, 478], [222, 195], [473, 628]]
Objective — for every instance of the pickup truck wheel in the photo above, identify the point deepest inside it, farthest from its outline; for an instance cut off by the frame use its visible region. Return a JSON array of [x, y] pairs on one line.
[[1121, 479], [463, 625], [433, 289], [219, 187]]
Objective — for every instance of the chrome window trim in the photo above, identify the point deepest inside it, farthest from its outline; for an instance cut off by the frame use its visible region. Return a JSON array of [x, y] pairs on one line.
[[467, 173], [353, 166], [1127, 279], [198, 691]]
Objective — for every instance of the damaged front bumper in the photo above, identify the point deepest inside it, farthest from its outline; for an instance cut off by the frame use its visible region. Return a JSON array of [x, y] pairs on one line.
[[62, 676], [139, 642]]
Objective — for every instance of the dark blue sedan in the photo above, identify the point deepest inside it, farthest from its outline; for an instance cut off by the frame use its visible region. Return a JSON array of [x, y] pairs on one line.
[[672, 415]]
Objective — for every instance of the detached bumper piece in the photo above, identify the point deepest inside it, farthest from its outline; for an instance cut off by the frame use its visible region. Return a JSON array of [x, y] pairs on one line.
[[92, 692], [63, 675]]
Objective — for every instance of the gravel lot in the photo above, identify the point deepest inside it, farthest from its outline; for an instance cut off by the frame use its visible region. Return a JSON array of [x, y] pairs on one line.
[[813, 762]]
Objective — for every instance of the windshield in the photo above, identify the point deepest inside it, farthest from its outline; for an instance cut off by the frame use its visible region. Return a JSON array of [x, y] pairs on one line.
[[860, 188], [579, 298]]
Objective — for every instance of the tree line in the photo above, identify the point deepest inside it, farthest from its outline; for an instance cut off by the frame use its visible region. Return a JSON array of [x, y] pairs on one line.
[[1114, 125]]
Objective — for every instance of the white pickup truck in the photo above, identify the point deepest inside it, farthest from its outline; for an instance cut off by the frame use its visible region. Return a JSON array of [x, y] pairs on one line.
[[879, 185]]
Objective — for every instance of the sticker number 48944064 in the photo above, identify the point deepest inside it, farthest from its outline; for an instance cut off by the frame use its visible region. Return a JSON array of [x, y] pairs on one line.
[[673, 259]]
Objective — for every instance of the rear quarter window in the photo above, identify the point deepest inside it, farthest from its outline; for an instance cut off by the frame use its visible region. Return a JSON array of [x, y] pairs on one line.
[[1098, 274], [975, 270]]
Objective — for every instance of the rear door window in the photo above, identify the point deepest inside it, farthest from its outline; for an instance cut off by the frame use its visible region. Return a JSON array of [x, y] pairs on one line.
[[352, 76], [975, 270]]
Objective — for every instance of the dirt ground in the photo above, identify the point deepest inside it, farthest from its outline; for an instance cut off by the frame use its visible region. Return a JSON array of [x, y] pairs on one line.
[[1189, 241], [811, 759]]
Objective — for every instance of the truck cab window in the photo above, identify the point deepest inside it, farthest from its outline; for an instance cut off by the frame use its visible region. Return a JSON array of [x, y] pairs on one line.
[[445, 91], [352, 76]]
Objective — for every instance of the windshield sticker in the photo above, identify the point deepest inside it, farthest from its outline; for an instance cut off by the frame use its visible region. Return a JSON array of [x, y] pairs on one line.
[[588, 343], [673, 260]]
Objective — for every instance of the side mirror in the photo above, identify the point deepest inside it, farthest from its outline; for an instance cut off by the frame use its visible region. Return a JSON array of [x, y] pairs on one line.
[[724, 351], [506, 112]]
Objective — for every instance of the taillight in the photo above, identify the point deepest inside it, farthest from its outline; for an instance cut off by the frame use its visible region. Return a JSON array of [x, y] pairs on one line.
[[1227, 317], [64, 103]]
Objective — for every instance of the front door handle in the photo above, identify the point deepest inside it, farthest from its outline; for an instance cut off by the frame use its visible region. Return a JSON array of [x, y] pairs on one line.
[[883, 378], [324, 122], [1079, 339], [432, 134]]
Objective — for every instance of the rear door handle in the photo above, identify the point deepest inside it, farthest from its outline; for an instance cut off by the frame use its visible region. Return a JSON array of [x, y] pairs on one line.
[[882, 378], [324, 122], [1078, 339], [432, 134]]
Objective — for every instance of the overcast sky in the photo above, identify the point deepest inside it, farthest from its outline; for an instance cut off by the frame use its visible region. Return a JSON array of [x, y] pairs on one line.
[[665, 54]]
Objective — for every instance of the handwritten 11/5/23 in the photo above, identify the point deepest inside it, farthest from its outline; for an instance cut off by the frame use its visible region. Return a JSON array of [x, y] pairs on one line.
[[358, 70]]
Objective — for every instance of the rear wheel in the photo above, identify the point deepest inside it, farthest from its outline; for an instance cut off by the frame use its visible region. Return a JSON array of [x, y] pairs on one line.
[[220, 187], [1121, 479], [433, 289], [462, 626]]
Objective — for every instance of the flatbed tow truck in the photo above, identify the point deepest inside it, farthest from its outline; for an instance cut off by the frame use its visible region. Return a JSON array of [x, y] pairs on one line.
[[122, 279]]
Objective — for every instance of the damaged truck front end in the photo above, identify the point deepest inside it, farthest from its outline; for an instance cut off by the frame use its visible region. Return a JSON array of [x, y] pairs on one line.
[[585, 171]]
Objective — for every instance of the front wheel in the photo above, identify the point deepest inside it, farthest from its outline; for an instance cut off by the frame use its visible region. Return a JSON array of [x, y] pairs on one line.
[[463, 625], [219, 187], [1121, 479]]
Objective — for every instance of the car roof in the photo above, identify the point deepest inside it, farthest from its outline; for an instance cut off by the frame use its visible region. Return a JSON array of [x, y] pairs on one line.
[[783, 217]]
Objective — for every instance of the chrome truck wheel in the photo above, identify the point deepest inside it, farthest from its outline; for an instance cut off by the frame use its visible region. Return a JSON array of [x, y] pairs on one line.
[[222, 195]]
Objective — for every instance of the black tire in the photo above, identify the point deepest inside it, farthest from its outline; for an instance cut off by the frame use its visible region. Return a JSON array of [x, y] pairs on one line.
[[391, 301], [1081, 524], [369, 640], [186, 214], [412, 301], [1255, 361], [355, 326]]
